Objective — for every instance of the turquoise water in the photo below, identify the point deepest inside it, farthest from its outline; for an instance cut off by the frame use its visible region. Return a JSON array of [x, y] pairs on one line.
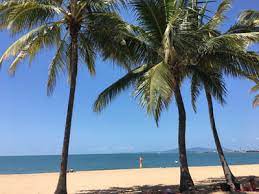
[[41, 164]]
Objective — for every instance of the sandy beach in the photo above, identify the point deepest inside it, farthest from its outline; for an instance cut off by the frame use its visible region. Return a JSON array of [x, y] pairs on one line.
[[87, 181]]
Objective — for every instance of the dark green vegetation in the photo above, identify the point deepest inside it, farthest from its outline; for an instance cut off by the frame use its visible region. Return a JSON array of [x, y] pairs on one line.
[[173, 40]]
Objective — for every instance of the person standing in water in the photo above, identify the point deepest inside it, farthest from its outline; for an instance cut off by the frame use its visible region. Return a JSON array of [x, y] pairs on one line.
[[140, 162]]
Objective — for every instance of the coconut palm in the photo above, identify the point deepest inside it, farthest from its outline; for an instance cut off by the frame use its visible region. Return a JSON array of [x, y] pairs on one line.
[[158, 22], [170, 31], [211, 79], [155, 42], [73, 29], [214, 87]]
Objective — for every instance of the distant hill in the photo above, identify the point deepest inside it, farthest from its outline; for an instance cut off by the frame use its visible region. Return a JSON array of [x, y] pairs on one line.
[[197, 150]]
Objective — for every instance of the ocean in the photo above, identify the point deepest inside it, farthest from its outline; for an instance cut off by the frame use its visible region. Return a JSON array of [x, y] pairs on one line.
[[43, 164]]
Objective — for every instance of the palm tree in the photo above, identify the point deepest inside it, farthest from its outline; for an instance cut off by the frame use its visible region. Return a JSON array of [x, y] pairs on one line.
[[73, 29], [178, 45], [210, 77], [212, 82], [214, 86], [162, 71]]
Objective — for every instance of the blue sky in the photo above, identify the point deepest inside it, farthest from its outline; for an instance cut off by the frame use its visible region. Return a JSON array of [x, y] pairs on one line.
[[32, 123]]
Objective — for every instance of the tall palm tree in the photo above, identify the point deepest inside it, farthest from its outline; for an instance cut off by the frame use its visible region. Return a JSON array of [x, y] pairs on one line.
[[177, 45], [76, 29], [214, 86], [211, 78], [152, 41]]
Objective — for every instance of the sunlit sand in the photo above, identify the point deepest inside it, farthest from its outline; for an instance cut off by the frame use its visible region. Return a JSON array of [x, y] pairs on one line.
[[88, 181]]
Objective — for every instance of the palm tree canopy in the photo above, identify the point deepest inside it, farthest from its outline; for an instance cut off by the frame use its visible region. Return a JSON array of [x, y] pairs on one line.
[[181, 47], [45, 23], [212, 65], [152, 44]]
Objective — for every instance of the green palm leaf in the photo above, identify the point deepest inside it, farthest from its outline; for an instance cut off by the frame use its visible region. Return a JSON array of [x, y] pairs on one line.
[[122, 84], [248, 21], [87, 52], [31, 43], [20, 16], [59, 64], [151, 16], [217, 19], [154, 90]]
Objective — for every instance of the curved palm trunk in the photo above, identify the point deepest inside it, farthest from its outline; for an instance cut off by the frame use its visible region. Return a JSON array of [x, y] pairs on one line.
[[231, 180], [186, 182], [62, 182]]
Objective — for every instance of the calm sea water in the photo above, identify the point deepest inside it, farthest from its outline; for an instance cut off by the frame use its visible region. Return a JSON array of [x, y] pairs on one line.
[[41, 164]]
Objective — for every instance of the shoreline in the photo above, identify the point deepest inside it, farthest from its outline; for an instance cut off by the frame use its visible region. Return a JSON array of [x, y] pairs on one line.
[[121, 169], [45, 183]]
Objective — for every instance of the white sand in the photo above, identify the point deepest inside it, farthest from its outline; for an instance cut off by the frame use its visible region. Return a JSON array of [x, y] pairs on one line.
[[88, 180]]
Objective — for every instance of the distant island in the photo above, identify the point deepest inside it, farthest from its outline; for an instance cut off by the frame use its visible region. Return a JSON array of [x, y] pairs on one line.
[[207, 150], [199, 150], [252, 151]]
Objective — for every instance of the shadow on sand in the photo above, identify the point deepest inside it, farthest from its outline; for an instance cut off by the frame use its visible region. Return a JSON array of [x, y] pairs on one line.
[[207, 186]]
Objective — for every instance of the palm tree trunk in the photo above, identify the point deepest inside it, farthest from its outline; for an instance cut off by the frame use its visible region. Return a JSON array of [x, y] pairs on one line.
[[62, 182], [186, 182], [230, 178]]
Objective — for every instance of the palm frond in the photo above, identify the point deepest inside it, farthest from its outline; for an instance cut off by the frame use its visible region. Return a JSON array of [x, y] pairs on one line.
[[154, 90], [87, 52], [103, 5], [216, 87], [30, 43], [249, 17], [140, 46], [202, 13], [25, 15], [151, 17], [248, 21], [125, 82], [234, 63], [196, 87], [218, 16], [59, 64], [206, 76], [99, 29], [238, 40]]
